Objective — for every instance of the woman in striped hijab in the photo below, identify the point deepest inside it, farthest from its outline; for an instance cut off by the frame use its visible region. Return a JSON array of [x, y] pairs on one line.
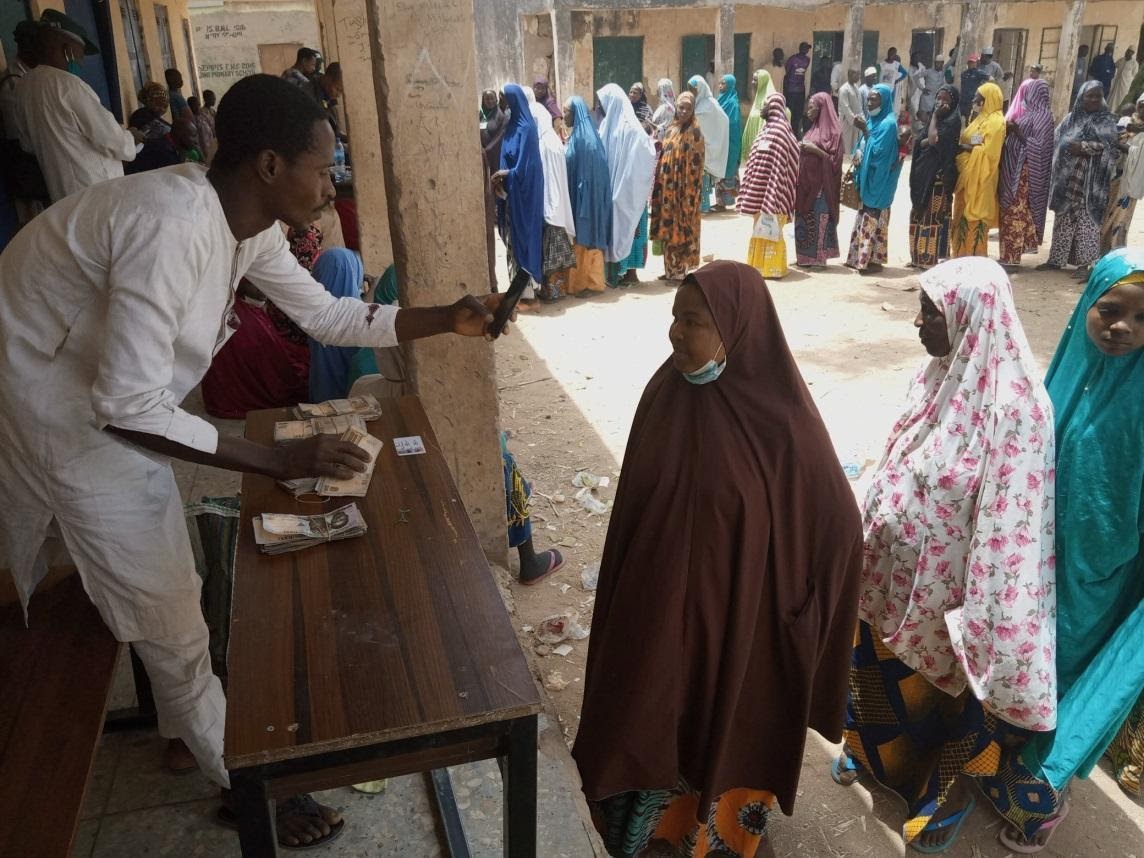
[[1026, 171], [768, 189]]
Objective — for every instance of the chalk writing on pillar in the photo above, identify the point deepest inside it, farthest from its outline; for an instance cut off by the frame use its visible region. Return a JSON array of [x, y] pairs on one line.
[[354, 31], [427, 85], [420, 7], [213, 32]]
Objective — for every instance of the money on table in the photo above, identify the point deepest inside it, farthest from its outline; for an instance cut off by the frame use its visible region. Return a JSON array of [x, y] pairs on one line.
[[299, 430], [356, 485], [277, 533], [367, 407]]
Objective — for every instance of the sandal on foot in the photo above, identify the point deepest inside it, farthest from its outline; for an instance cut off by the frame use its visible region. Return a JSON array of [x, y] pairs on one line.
[[1016, 841], [555, 564], [301, 805], [1048, 266], [954, 821], [845, 770]]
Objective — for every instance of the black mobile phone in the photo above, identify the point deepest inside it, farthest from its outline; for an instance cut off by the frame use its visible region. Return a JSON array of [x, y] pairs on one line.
[[504, 311]]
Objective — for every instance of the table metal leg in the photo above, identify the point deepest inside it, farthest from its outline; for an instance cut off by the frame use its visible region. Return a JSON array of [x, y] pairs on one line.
[[256, 829], [519, 775], [451, 821]]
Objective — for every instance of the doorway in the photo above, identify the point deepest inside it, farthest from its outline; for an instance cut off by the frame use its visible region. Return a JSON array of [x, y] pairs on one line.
[[697, 57], [276, 58], [99, 71], [1009, 49], [927, 44]]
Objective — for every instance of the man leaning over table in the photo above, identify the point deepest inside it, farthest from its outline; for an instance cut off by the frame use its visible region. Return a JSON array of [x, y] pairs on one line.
[[104, 331]]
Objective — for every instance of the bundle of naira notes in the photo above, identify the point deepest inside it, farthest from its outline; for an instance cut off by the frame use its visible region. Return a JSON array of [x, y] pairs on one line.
[[278, 533], [366, 407], [299, 430], [356, 485]]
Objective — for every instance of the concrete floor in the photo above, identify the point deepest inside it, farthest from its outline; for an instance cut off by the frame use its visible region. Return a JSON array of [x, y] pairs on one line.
[[853, 340]]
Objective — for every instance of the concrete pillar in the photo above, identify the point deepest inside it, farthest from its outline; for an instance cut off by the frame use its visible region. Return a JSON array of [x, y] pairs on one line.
[[725, 41], [425, 80], [977, 19], [852, 37], [345, 38], [563, 53], [1067, 52]]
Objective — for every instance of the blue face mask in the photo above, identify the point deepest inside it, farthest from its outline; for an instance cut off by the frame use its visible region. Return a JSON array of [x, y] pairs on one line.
[[708, 372], [73, 66]]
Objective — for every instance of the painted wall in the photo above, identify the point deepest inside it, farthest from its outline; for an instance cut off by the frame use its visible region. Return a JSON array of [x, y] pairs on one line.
[[227, 36], [177, 13]]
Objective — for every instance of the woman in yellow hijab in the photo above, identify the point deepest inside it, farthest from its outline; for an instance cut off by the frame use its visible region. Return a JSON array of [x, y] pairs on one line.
[[978, 168]]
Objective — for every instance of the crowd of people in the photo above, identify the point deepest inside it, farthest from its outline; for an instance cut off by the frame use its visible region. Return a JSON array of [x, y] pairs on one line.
[[994, 574], [981, 157]]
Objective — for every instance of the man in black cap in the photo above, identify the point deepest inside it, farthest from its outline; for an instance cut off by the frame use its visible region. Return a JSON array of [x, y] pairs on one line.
[[59, 119]]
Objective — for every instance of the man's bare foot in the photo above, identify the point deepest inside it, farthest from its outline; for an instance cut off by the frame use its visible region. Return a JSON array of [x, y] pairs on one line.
[[934, 836], [178, 759]]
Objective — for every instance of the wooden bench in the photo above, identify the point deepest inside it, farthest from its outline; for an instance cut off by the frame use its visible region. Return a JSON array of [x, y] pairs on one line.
[[55, 679]]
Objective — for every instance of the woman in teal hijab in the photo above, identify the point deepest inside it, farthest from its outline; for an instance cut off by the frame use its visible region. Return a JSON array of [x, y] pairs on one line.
[[729, 101], [1096, 382], [878, 170]]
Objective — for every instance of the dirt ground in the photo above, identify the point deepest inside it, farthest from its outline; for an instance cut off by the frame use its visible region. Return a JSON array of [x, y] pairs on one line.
[[570, 376]]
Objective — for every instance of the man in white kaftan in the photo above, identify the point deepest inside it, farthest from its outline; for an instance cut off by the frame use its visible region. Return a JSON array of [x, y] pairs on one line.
[[850, 104], [60, 120], [112, 305]]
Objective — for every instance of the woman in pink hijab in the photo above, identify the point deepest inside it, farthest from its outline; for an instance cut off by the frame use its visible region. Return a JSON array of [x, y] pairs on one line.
[[819, 185]]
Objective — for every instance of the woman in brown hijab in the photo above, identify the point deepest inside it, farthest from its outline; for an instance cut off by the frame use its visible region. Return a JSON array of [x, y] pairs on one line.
[[728, 589]]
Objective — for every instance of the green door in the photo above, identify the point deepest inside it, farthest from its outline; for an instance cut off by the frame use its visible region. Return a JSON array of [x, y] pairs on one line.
[[698, 54], [743, 64], [870, 49], [616, 59]]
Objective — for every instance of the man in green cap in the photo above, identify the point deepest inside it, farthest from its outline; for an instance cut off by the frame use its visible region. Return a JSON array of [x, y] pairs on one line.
[[59, 119]]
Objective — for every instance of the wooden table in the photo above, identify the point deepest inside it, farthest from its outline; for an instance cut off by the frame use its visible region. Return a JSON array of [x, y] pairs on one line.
[[378, 656]]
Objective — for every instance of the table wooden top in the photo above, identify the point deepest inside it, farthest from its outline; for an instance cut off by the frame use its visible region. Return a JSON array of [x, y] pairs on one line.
[[399, 633]]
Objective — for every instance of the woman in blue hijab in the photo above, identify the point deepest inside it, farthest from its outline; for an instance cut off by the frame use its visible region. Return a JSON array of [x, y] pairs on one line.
[[590, 187], [1096, 382], [729, 101], [331, 367], [519, 185], [878, 171]]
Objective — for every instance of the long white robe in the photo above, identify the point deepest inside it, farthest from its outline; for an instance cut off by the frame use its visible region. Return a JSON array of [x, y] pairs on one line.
[[850, 104], [112, 304], [1126, 70], [557, 199], [76, 140], [631, 165]]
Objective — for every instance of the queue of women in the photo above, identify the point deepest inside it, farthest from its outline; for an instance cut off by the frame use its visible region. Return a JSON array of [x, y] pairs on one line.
[[635, 177], [973, 631]]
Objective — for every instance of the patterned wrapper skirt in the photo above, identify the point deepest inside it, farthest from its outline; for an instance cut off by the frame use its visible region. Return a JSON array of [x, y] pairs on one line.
[[968, 237], [517, 493], [666, 822], [929, 229], [1018, 230], [1117, 219], [558, 258], [868, 240], [705, 193], [816, 234], [1127, 751], [1076, 236], [916, 740], [635, 260], [769, 257]]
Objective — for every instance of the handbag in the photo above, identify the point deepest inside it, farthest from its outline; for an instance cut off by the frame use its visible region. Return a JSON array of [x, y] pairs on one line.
[[849, 196]]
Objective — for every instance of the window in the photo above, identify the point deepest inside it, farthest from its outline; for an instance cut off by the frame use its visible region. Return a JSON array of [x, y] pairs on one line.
[[136, 52], [870, 56], [927, 44], [617, 59], [1050, 45], [163, 26]]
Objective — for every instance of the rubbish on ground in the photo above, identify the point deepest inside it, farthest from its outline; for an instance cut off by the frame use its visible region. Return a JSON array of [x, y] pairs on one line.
[[555, 682], [562, 650], [560, 627], [590, 576], [564, 588], [590, 502], [889, 308], [588, 480], [558, 497], [542, 650]]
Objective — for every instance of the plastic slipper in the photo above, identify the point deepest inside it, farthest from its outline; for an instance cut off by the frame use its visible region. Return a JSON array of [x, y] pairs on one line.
[[300, 804], [953, 821], [555, 564], [1023, 846], [844, 764]]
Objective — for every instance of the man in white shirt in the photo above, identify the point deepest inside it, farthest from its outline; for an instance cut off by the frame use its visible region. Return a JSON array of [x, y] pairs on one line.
[[1126, 70], [850, 104], [59, 118], [870, 81], [112, 305]]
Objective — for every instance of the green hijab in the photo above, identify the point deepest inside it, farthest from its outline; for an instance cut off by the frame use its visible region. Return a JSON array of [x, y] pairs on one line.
[[764, 86], [1098, 402]]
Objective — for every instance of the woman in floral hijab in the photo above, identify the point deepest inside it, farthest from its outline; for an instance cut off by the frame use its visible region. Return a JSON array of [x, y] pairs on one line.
[[957, 606]]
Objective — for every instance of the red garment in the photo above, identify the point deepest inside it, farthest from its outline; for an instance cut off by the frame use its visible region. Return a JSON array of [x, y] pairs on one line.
[[817, 174], [259, 367], [772, 168]]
